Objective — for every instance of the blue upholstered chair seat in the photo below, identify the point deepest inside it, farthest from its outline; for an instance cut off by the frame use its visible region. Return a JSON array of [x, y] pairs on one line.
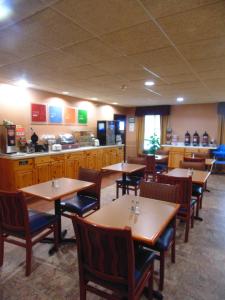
[[164, 240], [183, 209], [80, 204], [129, 181], [196, 190], [161, 167], [39, 220]]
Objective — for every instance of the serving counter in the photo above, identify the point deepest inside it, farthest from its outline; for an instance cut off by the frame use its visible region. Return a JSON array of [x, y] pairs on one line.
[[178, 152], [21, 170]]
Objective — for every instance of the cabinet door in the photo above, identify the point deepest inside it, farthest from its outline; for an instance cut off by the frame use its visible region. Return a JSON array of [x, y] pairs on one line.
[[91, 160], [113, 156], [42, 172], [57, 169], [174, 159], [24, 178], [72, 166], [120, 155]]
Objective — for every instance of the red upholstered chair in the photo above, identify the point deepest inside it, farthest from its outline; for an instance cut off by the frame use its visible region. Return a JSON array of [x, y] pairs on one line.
[[169, 193], [186, 212], [86, 200], [107, 257], [23, 227]]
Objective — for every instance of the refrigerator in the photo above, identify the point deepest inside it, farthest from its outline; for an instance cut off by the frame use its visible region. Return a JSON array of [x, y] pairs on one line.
[[106, 132]]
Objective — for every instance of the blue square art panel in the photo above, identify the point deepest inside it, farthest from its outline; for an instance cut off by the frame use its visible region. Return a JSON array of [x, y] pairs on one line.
[[55, 114]]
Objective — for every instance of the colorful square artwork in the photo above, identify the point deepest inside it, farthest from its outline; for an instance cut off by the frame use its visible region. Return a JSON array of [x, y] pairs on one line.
[[55, 114], [69, 115], [82, 116], [38, 112]]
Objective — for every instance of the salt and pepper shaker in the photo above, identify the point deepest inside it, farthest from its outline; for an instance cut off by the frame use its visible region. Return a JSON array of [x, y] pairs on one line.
[[132, 208], [137, 208]]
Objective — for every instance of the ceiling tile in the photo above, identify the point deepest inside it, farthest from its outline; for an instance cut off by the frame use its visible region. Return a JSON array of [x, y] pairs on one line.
[[158, 8], [91, 51], [197, 24], [136, 39], [100, 17]]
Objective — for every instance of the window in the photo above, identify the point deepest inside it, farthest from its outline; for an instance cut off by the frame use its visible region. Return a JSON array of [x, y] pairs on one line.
[[152, 126]]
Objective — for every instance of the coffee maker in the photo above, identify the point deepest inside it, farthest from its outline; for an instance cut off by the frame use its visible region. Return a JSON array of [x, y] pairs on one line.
[[8, 139]]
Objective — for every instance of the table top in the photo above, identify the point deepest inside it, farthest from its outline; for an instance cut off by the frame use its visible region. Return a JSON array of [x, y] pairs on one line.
[[199, 177], [147, 226], [160, 156], [124, 167], [54, 191]]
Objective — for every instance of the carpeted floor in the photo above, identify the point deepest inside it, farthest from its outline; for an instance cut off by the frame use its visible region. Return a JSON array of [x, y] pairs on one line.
[[199, 272]]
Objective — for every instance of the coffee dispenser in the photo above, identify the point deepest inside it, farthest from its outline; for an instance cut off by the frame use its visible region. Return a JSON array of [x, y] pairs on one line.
[[196, 139], [8, 139], [205, 139], [187, 139]]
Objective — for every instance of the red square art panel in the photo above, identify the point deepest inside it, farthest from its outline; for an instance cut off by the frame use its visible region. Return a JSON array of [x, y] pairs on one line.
[[38, 113]]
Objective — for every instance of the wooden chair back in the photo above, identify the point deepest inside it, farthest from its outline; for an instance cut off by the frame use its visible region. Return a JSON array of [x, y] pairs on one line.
[[91, 176], [160, 191], [201, 155], [13, 213], [195, 159], [151, 164], [192, 165], [138, 161], [185, 190], [104, 254]]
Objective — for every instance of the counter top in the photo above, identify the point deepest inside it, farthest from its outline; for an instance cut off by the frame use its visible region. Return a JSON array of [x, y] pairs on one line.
[[21, 155], [191, 146]]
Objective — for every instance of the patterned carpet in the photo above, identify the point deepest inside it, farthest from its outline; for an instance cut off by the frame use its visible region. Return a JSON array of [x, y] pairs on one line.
[[199, 272]]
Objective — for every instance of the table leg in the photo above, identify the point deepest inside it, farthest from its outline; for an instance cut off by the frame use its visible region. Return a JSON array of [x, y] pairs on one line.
[[124, 189]]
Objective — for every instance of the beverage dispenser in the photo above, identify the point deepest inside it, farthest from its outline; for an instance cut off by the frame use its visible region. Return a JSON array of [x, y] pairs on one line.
[[205, 139], [196, 139], [187, 139], [8, 139]]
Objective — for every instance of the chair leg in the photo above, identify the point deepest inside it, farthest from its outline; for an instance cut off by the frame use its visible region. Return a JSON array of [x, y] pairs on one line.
[[187, 230], [117, 191], [150, 283], [28, 257], [173, 252], [135, 191], [56, 237], [1, 249], [82, 291], [161, 269]]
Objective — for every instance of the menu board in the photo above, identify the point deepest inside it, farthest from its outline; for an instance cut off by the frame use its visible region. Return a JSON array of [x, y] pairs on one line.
[[55, 114]]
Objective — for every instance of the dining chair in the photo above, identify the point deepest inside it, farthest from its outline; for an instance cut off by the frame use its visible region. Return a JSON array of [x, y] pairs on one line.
[[87, 200], [162, 163], [201, 155], [169, 193], [23, 227], [186, 211], [152, 169], [194, 159], [197, 190], [132, 182], [107, 257]]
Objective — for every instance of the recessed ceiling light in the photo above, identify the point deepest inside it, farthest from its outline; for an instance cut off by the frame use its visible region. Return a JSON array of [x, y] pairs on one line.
[[65, 93], [22, 83], [4, 12], [180, 99], [114, 103], [149, 83], [94, 98]]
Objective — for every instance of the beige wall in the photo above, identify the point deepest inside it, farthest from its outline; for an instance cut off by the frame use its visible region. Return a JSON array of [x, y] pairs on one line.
[[15, 106], [200, 117]]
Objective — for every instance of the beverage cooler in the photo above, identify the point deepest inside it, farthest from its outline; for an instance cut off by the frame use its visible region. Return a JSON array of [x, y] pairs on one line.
[[106, 132]]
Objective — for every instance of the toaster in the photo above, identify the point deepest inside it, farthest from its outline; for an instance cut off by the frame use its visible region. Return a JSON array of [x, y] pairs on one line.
[[56, 147]]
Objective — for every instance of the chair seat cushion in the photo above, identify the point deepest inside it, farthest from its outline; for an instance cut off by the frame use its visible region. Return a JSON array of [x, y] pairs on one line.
[[196, 190], [164, 240], [80, 204], [184, 209], [39, 220], [143, 259], [131, 180], [161, 167]]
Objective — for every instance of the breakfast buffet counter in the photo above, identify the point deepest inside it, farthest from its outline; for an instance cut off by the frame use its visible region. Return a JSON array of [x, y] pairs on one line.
[[21, 170]]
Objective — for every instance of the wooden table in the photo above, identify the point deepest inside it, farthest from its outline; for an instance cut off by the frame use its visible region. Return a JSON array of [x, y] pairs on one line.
[[159, 157], [198, 177], [209, 162], [55, 190], [124, 168], [147, 226]]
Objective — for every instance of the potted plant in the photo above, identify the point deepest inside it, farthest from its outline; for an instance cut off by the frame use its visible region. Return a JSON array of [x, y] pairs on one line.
[[154, 144]]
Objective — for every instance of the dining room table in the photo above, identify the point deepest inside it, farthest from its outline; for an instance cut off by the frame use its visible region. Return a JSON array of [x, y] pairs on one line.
[[54, 190], [124, 168], [147, 218]]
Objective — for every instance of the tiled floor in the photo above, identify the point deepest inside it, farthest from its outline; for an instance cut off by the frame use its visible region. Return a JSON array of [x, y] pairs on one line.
[[199, 272]]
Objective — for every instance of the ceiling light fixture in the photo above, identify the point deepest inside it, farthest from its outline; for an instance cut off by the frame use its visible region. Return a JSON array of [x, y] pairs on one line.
[[94, 98], [180, 99], [114, 103], [65, 93], [4, 12], [22, 83], [149, 83]]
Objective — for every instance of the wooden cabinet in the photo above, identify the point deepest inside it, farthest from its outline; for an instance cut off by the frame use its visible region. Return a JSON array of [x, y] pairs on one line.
[[42, 169], [72, 164], [120, 154], [57, 166], [176, 155], [91, 159], [23, 173]]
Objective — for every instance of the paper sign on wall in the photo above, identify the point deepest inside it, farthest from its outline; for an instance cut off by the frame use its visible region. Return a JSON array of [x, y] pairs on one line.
[[38, 112], [55, 114], [82, 116], [69, 115]]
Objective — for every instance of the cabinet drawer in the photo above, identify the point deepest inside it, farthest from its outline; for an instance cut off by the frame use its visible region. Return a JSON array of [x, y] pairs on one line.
[[73, 155], [57, 157], [41, 160], [23, 164]]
